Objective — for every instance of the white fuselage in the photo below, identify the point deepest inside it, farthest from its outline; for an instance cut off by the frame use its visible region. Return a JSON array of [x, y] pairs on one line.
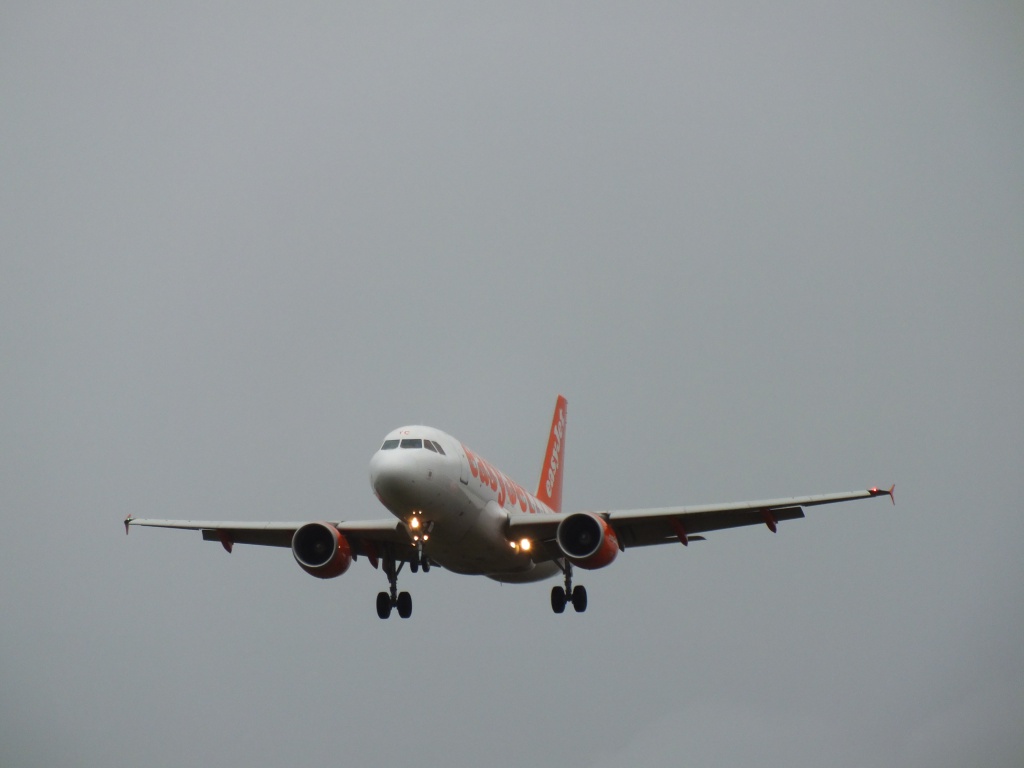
[[460, 504]]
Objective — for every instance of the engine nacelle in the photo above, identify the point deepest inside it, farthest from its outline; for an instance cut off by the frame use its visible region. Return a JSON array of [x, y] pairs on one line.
[[587, 540], [321, 550]]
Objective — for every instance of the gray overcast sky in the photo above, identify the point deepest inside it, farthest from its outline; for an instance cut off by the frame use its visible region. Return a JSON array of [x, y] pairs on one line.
[[763, 249]]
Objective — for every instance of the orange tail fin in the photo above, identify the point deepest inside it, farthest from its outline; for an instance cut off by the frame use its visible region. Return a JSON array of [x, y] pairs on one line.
[[549, 490]]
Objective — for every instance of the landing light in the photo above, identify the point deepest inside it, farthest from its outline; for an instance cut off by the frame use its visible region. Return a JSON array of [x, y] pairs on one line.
[[525, 545], [415, 523]]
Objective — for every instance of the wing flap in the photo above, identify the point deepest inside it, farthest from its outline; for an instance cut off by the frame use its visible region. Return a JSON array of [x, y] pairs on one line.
[[262, 537], [644, 532]]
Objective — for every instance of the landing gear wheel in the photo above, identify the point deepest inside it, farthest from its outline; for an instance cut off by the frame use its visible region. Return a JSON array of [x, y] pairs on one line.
[[414, 564], [579, 598], [404, 604], [383, 605], [557, 599], [561, 595], [425, 563]]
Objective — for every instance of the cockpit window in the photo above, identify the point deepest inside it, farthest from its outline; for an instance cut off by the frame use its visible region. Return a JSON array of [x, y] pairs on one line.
[[413, 442]]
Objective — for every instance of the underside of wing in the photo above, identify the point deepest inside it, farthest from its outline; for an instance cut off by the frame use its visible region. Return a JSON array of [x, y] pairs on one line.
[[366, 537], [644, 527], [664, 525], [681, 526]]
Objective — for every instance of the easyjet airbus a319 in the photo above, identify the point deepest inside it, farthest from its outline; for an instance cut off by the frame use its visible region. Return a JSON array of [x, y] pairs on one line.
[[455, 510]]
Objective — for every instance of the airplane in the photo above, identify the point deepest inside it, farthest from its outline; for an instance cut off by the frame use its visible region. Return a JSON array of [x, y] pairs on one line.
[[454, 509]]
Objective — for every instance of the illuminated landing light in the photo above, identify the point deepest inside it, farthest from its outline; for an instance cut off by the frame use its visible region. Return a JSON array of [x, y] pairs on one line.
[[525, 545], [512, 544], [414, 523]]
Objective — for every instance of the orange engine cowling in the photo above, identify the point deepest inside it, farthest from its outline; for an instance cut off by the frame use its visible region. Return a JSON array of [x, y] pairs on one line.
[[587, 540], [321, 550]]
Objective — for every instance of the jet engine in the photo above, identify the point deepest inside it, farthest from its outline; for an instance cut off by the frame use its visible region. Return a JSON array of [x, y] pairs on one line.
[[587, 540], [321, 550]]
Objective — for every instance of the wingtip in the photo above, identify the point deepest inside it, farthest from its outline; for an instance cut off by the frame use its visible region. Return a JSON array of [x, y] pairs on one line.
[[127, 522], [890, 492]]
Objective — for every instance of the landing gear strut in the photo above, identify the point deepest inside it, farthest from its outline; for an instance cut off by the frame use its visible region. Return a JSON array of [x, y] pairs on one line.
[[561, 595], [393, 599]]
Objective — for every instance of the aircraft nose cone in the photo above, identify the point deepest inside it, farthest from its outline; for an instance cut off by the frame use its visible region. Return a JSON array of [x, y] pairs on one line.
[[388, 476], [406, 477]]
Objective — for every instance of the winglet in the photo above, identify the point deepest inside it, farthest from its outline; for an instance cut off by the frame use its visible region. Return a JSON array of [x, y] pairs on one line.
[[549, 489], [127, 522], [891, 492]]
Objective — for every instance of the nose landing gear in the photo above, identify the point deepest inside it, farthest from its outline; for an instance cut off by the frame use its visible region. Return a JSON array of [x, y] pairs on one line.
[[393, 598], [419, 560], [561, 595]]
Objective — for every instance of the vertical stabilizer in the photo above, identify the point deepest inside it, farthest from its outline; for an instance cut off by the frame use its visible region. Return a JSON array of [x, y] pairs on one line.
[[549, 490]]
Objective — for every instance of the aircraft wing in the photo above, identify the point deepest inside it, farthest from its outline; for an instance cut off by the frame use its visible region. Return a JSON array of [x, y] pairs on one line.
[[664, 525], [366, 537]]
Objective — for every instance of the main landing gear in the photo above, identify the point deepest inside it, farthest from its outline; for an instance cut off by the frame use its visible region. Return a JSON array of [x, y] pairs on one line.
[[561, 595], [393, 599]]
